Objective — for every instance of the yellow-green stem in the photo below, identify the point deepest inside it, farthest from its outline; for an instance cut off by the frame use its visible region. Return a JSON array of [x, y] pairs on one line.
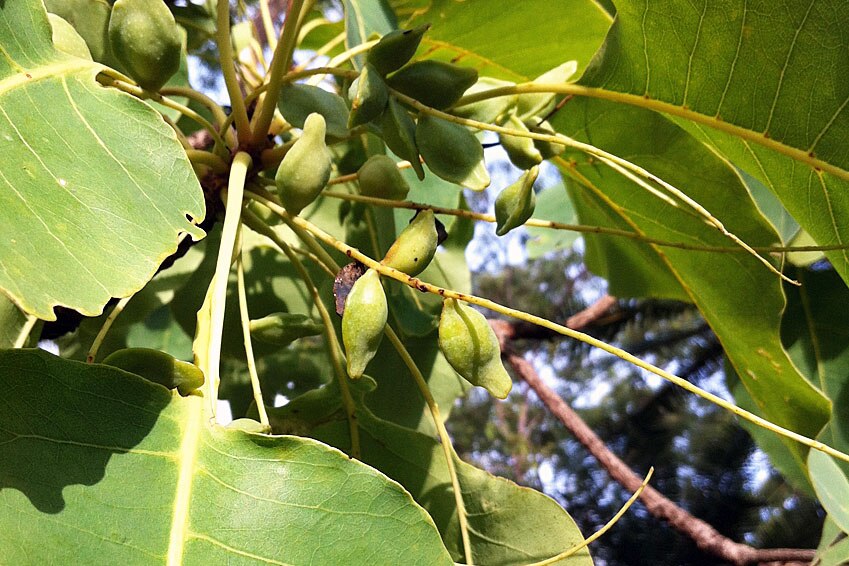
[[249, 349], [211, 160], [445, 440], [268, 25], [560, 329], [228, 70], [107, 324], [218, 114], [26, 329]]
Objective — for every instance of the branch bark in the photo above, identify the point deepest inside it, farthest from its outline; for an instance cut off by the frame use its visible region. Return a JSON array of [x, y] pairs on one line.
[[703, 534]]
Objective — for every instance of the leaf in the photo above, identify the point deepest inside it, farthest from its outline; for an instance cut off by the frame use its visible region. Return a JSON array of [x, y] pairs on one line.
[[12, 320], [508, 524], [516, 41], [737, 295], [96, 187], [832, 487], [297, 101], [757, 80], [363, 18], [122, 471], [834, 546]]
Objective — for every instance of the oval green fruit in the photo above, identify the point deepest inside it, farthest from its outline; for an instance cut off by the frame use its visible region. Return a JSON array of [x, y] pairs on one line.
[[283, 328], [66, 39], [379, 177], [369, 97], [395, 48], [520, 150], [158, 367], [516, 203], [471, 347], [366, 311], [434, 83], [399, 133], [305, 168], [452, 152], [146, 41], [415, 246]]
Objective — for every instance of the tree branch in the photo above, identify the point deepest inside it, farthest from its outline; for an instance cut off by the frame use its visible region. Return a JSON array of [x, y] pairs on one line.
[[703, 534]]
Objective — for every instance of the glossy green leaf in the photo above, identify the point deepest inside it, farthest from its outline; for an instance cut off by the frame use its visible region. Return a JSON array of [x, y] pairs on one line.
[[516, 40], [770, 73], [92, 201], [832, 487], [737, 295], [124, 471]]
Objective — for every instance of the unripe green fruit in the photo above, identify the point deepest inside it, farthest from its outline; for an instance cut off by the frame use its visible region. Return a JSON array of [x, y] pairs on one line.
[[305, 168], [283, 328], [369, 97], [516, 203], [452, 152], [66, 39], [520, 150], [415, 246], [146, 41], [379, 177], [399, 133], [395, 48], [471, 347], [434, 83], [365, 317], [546, 149], [158, 367]]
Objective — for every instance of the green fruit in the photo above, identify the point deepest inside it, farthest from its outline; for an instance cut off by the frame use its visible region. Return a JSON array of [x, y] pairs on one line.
[[452, 152], [546, 149], [379, 177], [363, 322], [146, 41], [541, 103], [516, 203], [369, 97], [283, 328], [158, 367], [399, 134], [66, 39], [297, 101], [491, 109], [395, 48], [520, 150], [471, 347], [415, 246], [90, 19], [434, 83], [305, 168]]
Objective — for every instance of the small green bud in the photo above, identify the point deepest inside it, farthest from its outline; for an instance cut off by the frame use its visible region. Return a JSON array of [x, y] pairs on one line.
[[66, 39], [366, 311], [158, 367], [452, 152], [305, 168], [434, 83], [369, 97], [146, 41], [395, 48], [379, 177], [283, 328], [399, 133], [520, 150], [471, 347], [516, 203], [415, 246]]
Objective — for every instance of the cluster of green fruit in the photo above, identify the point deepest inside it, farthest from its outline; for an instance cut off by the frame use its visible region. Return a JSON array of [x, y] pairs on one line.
[[137, 37]]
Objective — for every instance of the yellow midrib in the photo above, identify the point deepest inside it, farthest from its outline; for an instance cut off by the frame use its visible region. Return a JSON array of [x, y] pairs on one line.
[[186, 459], [58, 68]]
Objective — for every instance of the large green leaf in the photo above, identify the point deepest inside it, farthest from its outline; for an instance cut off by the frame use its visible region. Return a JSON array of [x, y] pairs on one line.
[[737, 295], [101, 466], [95, 186], [763, 82], [508, 524], [507, 39]]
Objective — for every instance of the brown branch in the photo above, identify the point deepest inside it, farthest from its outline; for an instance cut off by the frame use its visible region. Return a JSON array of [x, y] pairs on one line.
[[703, 534], [592, 313]]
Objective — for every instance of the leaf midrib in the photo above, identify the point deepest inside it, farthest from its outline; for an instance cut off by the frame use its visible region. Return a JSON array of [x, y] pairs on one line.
[[42, 72]]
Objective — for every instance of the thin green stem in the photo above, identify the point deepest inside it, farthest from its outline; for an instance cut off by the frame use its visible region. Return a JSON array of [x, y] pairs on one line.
[[598, 534], [321, 51], [268, 25], [26, 329], [331, 340], [228, 70], [211, 160], [560, 329], [249, 349], [280, 63], [350, 54], [107, 324], [805, 156], [445, 439], [218, 114], [218, 299]]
